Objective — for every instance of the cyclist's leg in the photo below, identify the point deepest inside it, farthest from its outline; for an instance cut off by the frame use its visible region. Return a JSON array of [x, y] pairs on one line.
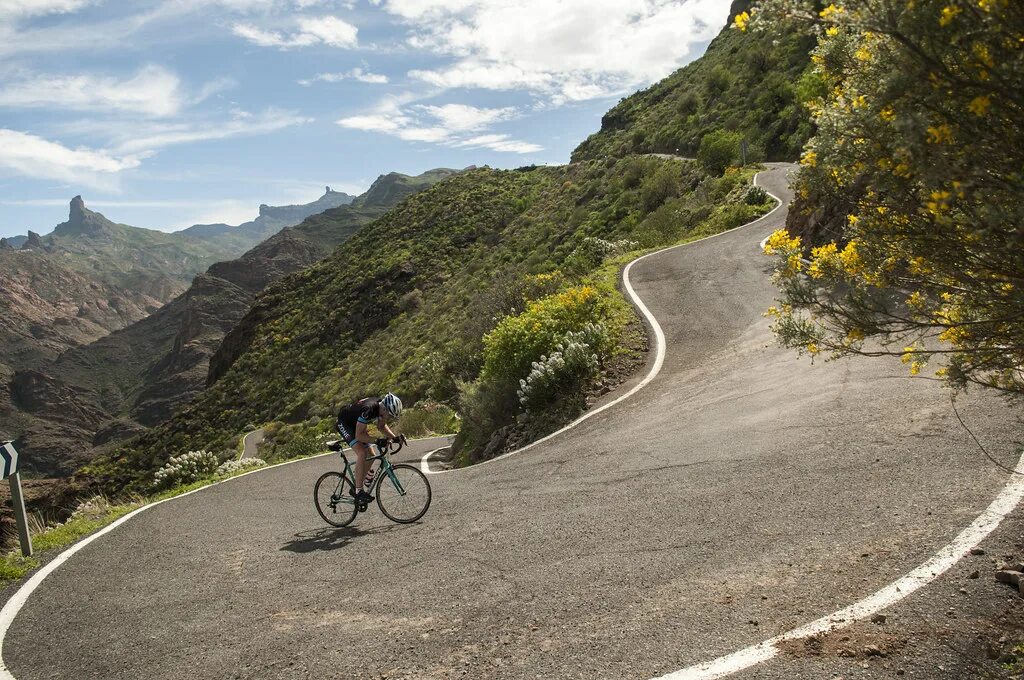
[[361, 452], [347, 430]]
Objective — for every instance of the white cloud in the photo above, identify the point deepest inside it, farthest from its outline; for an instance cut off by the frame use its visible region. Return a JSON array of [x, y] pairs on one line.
[[146, 138], [562, 50], [499, 143], [460, 117], [36, 157], [447, 124], [326, 30], [30, 8], [355, 74], [153, 91]]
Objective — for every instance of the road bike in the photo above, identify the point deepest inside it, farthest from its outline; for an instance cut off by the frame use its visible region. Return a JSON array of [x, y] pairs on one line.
[[402, 491]]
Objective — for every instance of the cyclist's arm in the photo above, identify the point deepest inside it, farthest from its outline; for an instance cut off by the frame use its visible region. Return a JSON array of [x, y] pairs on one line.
[[383, 427]]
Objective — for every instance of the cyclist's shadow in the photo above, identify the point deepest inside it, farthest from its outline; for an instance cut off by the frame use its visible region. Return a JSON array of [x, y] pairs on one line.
[[330, 538]]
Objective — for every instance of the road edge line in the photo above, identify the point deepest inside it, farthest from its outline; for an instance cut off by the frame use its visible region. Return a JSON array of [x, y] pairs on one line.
[[17, 600], [659, 336], [943, 560]]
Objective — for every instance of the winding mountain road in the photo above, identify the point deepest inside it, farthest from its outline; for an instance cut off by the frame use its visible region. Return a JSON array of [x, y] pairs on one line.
[[743, 492]]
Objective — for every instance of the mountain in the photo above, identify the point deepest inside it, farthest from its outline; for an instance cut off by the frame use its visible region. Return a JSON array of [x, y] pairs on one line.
[[139, 375], [87, 278], [271, 219], [749, 83]]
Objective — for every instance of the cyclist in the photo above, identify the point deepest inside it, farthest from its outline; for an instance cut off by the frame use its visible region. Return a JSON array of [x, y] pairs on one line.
[[352, 426]]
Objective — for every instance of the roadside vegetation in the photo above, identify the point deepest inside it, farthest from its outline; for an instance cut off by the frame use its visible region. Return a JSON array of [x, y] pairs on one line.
[[909, 209], [747, 86], [451, 299]]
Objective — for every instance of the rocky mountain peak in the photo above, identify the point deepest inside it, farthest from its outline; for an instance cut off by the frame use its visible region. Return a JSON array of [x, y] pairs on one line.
[[81, 220], [5, 244], [77, 211], [33, 242]]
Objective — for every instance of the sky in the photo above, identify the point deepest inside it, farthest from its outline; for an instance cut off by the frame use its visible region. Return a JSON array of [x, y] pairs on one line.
[[168, 113]]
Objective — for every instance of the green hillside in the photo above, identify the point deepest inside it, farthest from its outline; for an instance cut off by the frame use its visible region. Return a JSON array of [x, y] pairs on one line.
[[753, 85], [411, 301]]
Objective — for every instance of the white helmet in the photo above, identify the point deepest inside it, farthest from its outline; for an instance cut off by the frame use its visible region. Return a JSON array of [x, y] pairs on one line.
[[392, 404]]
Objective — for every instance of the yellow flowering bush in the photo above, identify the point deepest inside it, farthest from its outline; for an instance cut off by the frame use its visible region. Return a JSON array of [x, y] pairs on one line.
[[918, 164], [518, 341]]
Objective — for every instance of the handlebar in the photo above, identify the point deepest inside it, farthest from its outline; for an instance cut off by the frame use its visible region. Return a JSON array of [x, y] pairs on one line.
[[384, 444]]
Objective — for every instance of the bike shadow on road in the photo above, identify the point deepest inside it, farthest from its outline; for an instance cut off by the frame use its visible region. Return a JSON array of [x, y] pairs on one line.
[[330, 538]]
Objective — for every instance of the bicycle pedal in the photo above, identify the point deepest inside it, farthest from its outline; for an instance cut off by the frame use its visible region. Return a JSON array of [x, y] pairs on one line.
[[363, 507]]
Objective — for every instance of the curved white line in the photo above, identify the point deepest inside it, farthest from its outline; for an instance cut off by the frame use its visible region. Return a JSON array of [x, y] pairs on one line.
[[1005, 503], [17, 601], [659, 341]]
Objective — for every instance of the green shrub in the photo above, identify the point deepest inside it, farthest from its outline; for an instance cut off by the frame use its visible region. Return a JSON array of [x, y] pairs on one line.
[[429, 418], [661, 186], [756, 196], [718, 150]]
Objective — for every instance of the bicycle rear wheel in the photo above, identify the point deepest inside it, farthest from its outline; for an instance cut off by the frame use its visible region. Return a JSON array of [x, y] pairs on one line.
[[403, 495], [332, 495]]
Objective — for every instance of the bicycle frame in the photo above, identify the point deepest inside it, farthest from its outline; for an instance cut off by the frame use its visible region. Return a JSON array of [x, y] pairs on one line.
[[385, 469]]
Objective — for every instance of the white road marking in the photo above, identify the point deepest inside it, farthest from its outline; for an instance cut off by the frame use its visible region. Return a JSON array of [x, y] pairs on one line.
[[17, 601], [659, 341], [1005, 503]]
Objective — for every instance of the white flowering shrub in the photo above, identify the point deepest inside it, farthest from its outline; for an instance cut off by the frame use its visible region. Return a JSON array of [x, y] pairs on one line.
[[573, 363], [600, 248], [185, 469], [234, 466]]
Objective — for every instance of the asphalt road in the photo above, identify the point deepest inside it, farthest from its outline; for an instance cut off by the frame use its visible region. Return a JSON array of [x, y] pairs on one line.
[[745, 491]]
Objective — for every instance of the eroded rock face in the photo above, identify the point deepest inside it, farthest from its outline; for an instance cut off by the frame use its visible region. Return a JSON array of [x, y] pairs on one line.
[[34, 242], [820, 219], [58, 439], [45, 396]]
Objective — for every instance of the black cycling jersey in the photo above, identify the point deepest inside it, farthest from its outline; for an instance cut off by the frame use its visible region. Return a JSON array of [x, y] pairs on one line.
[[364, 411]]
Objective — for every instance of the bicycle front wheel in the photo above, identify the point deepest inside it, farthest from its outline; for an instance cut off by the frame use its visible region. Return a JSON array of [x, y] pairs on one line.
[[332, 495], [403, 494]]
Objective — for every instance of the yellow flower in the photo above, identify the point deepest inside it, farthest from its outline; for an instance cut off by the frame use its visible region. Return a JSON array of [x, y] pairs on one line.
[[780, 241], [939, 134], [948, 14], [979, 105], [810, 159], [916, 299], [850, 259], [742, 20], [939, 203], [888, 113], [832, 31], [831, 11], [813, 348]]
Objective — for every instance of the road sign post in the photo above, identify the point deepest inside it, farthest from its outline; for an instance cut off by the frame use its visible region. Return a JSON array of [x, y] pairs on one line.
[[9, 460]]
